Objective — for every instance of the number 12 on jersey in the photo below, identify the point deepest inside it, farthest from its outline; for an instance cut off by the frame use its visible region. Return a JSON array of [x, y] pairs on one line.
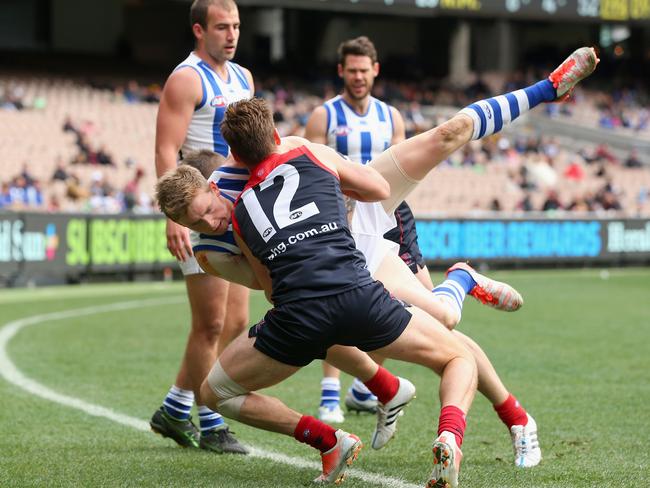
[[282, 212]]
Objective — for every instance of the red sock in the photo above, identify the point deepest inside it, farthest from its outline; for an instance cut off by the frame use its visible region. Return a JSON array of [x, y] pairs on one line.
[[511, 412], [315, 433], [452, 419], [383, 385]]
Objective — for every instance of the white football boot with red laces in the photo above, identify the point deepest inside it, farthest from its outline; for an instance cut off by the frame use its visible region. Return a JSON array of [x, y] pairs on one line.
[[491, 292], [574, 69]]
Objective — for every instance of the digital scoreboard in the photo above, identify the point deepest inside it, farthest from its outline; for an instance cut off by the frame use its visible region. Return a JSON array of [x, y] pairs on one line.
[[570, 10]]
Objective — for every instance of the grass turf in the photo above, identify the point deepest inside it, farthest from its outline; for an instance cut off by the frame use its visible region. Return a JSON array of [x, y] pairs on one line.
[[576, 356]]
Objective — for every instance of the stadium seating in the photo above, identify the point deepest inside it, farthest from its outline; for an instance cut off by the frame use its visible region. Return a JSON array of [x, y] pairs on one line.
[[482, 178]]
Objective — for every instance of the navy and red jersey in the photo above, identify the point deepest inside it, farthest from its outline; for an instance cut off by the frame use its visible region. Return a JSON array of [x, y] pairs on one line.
[[292, 217]]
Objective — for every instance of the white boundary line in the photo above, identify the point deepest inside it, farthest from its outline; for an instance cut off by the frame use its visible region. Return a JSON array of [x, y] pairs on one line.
[[13, 375]]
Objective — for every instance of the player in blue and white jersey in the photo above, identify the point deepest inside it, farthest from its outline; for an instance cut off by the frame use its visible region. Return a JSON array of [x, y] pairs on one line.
[[361, 127], [217, 253], [192, 105]]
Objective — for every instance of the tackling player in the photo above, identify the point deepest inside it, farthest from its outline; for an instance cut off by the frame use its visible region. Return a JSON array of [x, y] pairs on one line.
[[317, 281]]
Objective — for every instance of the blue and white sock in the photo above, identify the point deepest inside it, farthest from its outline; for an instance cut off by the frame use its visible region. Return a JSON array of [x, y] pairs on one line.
[[454, 289], [208, 419], [492, 114], [178, 403], [330, 389], [360, 391]]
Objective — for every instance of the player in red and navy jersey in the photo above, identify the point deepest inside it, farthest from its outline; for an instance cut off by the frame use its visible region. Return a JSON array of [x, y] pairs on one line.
[[291, 224]]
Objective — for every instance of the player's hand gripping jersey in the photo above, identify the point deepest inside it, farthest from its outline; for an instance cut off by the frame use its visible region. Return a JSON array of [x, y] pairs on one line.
[[287, 217]]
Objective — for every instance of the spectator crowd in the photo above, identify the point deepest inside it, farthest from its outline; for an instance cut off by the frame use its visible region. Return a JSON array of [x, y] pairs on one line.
[[545, 174]]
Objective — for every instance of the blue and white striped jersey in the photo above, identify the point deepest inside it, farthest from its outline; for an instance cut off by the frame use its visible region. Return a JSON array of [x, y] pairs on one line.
[[360, 137], [231, 182], [203, 131]]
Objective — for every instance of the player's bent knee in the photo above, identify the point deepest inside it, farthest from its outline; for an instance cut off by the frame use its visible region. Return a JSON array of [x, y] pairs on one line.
[[449, 319], [461, 350], [230, 396], [207, 329], [230, 408]]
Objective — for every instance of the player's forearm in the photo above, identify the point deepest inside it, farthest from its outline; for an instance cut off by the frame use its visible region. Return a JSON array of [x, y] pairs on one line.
[[165, 160], [368, 186]]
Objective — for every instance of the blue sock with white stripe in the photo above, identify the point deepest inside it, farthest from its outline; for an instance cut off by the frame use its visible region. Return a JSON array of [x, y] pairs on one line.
[[330, 390], [209, 420], [360, 391], [492, 114], [178, 403], [454, 289]]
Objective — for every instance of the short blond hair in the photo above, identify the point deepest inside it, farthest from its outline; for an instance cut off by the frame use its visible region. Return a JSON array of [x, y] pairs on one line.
[[176, 189]]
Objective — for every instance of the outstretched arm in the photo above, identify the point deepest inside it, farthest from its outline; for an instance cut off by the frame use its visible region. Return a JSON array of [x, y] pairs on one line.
[[360, 182]]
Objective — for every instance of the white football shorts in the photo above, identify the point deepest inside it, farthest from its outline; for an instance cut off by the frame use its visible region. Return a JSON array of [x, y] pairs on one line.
[[368, 225]]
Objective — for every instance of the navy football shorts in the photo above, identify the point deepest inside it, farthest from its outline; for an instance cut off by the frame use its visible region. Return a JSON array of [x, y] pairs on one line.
[[298, 332], [406, 236]]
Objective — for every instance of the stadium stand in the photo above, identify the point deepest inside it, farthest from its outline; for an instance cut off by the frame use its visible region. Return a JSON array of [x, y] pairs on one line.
[[90, 148], [65, 125]]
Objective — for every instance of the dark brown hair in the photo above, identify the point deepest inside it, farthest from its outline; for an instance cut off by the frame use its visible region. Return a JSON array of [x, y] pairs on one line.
[[359, 46], [248, 129]]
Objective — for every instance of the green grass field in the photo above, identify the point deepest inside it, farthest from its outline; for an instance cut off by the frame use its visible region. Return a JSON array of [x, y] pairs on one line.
[[577, 356]]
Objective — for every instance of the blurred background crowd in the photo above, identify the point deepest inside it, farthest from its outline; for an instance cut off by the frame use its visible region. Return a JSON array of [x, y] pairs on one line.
[[88, 146]]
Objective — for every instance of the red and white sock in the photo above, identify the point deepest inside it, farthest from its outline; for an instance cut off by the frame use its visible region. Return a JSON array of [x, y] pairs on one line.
[[511, 412], [383, 385], [315, 433], [452, 419]]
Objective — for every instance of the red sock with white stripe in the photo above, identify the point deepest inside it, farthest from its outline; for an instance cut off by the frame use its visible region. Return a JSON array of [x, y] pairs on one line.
[[511, 412], [452, 419], [315, 433], [383, 385]]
